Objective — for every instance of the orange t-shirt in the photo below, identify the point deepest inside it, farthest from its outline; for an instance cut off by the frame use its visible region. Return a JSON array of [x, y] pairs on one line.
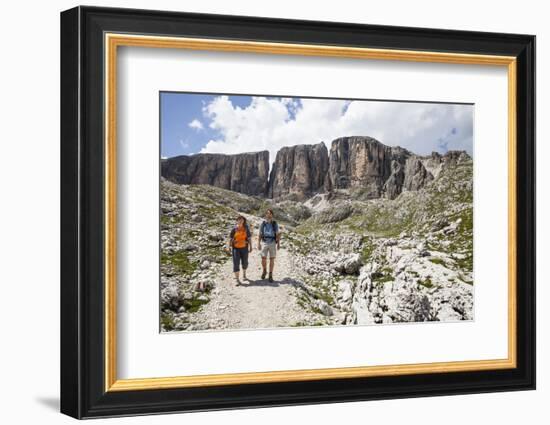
[[239, 239]]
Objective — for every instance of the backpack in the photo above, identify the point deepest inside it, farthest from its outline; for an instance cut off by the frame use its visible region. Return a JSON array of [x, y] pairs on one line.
[[274, 228]]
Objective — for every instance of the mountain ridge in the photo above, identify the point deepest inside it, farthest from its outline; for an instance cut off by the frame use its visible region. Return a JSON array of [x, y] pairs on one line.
[[304, 170]]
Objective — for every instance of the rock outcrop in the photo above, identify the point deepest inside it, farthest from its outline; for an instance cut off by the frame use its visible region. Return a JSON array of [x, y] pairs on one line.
[[436, 162], [416, 176], [299, 171], [378, 170], [245, 172]]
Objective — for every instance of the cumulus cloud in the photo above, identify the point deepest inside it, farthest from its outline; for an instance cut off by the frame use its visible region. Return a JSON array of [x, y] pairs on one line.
[[196, 124], [271, 123]]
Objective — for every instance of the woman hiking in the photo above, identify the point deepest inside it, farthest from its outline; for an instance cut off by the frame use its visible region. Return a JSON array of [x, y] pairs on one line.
[[240, 244]]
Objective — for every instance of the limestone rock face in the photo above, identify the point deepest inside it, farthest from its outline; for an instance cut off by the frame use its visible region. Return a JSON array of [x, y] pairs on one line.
[[359, 163], [451, 158], [392, 187], [416, 175], [299, 171], [378, 170], [245, 172], [436, 162]]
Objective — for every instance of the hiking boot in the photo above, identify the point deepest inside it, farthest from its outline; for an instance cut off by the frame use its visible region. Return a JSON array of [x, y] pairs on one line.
[[270, 277], [263, 274]]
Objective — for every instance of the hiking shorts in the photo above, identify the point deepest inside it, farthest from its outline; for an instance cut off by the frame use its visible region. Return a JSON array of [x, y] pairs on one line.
[[240, 255], [269, 248]]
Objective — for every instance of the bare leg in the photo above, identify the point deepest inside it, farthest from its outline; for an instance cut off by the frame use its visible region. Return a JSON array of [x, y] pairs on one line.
[[264, 263], [271, 264]]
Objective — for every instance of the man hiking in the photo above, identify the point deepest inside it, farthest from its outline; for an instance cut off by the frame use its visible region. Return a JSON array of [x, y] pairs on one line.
[[270, 236]]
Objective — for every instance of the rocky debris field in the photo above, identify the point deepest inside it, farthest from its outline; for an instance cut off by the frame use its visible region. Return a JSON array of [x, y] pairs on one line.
[[345, 258]]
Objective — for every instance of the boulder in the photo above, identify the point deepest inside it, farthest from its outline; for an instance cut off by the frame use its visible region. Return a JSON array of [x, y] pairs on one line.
[[333, 214], [324, 308], [348, 264], [345, 289]]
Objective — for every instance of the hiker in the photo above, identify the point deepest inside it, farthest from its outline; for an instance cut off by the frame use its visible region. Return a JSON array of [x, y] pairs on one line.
[[270, 236], [240, 243]]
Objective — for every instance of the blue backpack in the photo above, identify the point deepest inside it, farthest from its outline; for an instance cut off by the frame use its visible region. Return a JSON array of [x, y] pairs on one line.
[[268, 231]]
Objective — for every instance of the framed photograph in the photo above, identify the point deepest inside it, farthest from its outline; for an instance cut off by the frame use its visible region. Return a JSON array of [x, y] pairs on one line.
[[261, 212]]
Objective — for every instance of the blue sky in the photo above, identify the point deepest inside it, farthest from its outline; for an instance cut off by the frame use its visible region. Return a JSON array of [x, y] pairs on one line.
[[178, 110], [193, 123]]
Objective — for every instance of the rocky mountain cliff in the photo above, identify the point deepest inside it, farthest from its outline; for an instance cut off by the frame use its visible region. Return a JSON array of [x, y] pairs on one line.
[[378, 170], [299, 171], [360, 164], [244, 173]]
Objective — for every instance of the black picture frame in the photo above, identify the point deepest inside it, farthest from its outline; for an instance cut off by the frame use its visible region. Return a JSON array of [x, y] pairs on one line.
[[83, 392]]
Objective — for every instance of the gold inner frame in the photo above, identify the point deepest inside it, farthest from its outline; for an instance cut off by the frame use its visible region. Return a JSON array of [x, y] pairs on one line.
[[113, 41]]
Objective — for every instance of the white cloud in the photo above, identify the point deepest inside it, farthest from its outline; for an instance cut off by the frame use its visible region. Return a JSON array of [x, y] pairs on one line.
[[196, 124], [269, 124]]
